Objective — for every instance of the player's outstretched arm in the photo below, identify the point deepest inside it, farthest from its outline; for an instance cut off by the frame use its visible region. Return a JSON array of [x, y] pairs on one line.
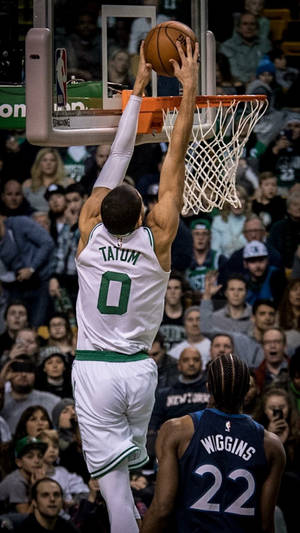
[[276, 458], [164, 217], [115, 168]]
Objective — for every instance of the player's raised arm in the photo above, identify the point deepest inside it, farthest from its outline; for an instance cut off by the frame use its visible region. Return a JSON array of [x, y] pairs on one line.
[[164, 217], [114, 170]]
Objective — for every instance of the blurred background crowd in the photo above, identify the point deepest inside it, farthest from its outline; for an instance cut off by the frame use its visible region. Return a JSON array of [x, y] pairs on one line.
[[235, 280]]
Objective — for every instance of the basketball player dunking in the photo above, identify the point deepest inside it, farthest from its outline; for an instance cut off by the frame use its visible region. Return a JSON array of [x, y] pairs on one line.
[[123, 270], [221, 468]]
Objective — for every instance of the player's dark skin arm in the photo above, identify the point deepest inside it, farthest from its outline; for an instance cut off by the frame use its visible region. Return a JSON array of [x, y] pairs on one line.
[[276, 458], [173, 439]]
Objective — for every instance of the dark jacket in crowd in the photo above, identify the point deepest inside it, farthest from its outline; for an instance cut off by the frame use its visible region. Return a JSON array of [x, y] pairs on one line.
[[31, 524], [167, 372], [26, 244], [179, 400], [285, 237]]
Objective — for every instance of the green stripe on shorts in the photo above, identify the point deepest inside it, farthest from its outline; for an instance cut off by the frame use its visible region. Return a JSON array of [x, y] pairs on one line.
[[110, 466], [133, 466], [109, 357]]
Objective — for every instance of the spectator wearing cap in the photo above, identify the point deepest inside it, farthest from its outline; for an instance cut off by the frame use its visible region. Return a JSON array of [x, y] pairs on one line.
[[25, 250], [182, 247], [21, 374], [47, 169], [264, 281], [55, 197], [65, 421], [15, 487], [204, 257], [53, 373], [265, 83], [254, 229]]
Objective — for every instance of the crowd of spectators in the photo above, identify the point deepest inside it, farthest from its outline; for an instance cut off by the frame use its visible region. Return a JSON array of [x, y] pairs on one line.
[[234, 285]]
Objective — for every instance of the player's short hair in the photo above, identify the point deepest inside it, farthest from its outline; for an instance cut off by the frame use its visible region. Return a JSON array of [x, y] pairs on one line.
[[228, 381], [120, 210]]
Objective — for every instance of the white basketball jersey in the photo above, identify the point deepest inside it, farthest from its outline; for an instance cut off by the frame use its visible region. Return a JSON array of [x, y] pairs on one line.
[[121, 292]]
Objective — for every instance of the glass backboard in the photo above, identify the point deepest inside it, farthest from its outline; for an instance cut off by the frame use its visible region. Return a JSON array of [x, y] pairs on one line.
[[81, 55]]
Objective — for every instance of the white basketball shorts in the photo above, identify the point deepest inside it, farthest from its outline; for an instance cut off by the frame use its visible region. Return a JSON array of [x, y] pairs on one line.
[[114, 402]]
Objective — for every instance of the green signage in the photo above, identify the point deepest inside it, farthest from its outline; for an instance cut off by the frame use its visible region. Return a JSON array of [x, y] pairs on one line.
[[85, 95]]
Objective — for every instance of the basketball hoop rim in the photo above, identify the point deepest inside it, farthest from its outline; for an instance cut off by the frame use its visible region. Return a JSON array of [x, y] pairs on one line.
[[164, 103], [155, 108]]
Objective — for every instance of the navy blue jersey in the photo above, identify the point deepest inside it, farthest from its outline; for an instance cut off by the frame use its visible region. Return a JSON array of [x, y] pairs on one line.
[[221, 475]]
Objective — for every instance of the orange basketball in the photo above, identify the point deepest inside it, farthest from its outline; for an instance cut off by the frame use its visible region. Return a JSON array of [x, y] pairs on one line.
[[160, 45]]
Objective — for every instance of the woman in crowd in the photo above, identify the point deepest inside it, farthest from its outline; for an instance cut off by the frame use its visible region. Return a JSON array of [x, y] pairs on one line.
[[118, 68], [47, 168], [32, 421], [289, 314], [277, 414]]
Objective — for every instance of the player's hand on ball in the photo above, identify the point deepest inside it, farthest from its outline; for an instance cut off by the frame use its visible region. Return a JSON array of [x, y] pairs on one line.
[[187, 73]]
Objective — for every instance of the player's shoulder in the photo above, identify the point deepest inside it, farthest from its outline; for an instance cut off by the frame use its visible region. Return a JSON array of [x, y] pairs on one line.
[[177, 427], [273, 446]]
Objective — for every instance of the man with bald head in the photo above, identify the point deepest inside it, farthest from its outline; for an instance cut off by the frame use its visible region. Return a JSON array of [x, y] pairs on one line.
[[189, 393]]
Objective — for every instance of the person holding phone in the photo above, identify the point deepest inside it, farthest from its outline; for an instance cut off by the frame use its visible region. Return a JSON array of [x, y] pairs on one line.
[[277, 414], [21, 374]]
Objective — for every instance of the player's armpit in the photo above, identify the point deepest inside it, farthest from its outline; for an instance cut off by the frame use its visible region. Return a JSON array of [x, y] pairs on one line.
[[90, 213]]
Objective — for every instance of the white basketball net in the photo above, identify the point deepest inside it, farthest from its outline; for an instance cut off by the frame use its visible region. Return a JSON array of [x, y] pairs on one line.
[[218, 140]]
